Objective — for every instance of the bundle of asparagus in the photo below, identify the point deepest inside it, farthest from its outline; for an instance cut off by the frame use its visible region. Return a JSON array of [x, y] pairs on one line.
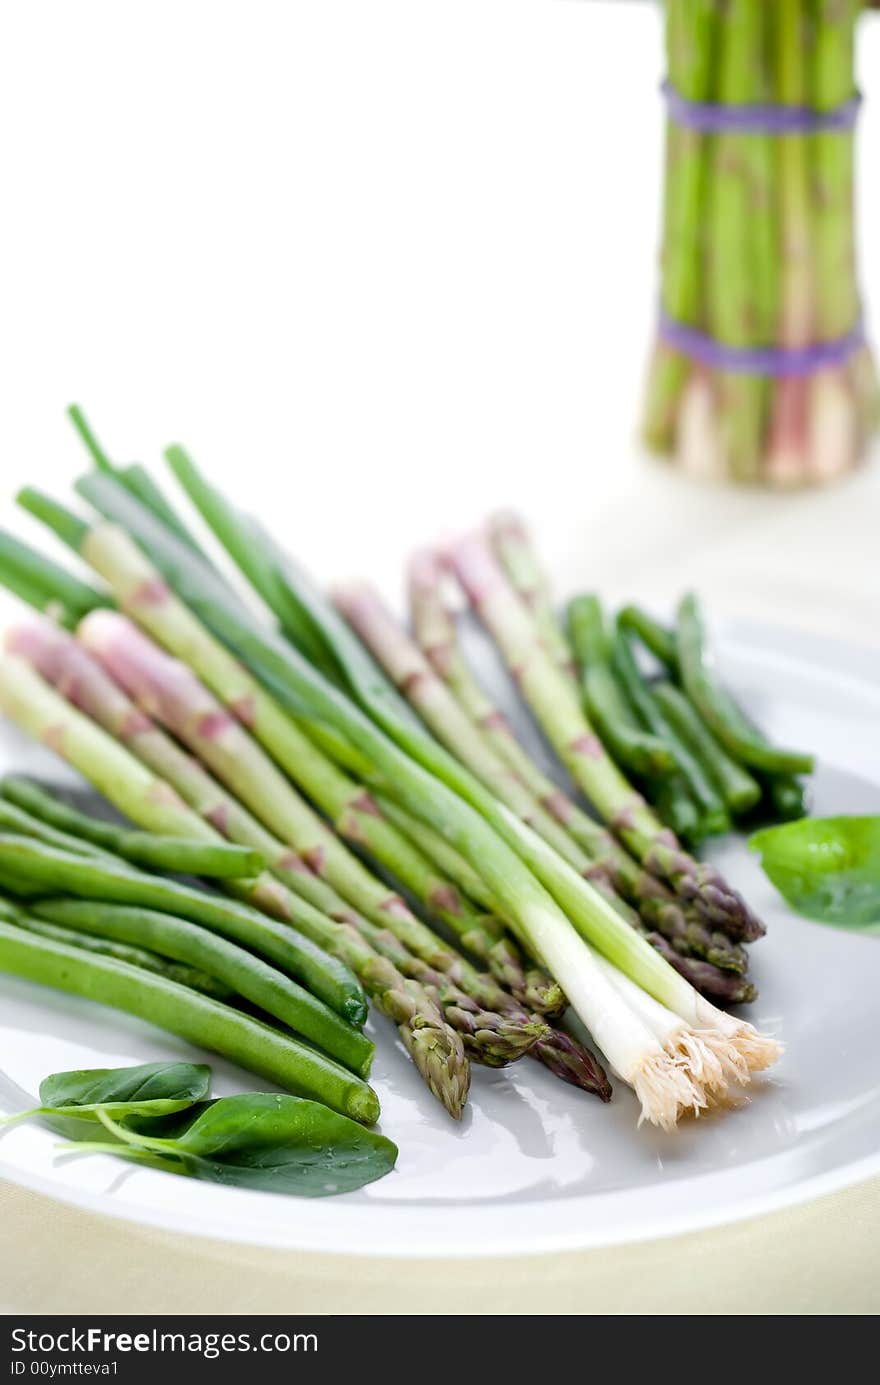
[[271, 735], [761, 372]]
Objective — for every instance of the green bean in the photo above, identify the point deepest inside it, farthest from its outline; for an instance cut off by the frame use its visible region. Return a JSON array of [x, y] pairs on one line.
[[657, 638], [641, 751], [30, 864], [194, 1017], [717, 708], [587, 630], [251, 977], [619, 728], [141, 957], [676, 807], [739, 789], [15, 820], [219, 860], [787, 795], [713, 817]]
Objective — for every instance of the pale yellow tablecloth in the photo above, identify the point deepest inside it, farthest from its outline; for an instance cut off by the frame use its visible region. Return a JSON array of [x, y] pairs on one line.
[[819, 1258], [808, 560]]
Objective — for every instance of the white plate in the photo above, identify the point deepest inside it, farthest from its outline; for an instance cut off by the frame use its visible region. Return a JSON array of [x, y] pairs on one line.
[[535, 1166]]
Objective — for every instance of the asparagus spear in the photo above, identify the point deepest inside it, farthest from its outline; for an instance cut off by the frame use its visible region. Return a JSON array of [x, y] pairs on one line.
[[787, 448], [834, 438], [165, 853], [581, 751], [513, 548], [740, 290], [727, 987], [64, 662], [168, 689], [691, 39], [677, 947]]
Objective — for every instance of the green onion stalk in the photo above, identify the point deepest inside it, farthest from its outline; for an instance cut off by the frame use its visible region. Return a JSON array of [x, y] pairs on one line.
[[759, 249]]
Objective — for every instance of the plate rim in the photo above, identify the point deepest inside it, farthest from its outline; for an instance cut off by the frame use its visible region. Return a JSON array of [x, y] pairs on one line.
[[319, 1240], [316, 1228]]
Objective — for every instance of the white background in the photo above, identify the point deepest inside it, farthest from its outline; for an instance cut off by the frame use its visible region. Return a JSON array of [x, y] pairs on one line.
[[381, 265]]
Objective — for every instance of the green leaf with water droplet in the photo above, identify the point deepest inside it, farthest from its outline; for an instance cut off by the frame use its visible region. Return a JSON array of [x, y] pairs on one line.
[[276, 1143], [827, 868]]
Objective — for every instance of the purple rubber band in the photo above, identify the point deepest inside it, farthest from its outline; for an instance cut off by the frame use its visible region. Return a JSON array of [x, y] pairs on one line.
[[710, 117], [760, 360]]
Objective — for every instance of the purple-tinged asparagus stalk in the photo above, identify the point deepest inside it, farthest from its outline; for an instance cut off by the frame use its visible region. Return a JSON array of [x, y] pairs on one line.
[[787, 446], [510, 542], [436, 632], [168, 690], [435, 1049], [575, 741], [410, 671], [726, 987], [563, 1055]]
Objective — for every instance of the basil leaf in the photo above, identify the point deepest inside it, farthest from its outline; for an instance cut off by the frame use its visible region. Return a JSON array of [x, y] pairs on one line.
[[827, 868], [166, 1125], [276, 1143], [148, 1089]]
